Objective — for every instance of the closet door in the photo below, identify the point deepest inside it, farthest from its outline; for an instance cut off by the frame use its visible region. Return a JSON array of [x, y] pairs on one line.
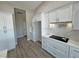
[[1, 27], [8, 23], [7, 40], [3, 42]]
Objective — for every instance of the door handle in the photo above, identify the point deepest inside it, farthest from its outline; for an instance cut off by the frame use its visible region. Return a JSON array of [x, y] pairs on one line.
[[4, 29]]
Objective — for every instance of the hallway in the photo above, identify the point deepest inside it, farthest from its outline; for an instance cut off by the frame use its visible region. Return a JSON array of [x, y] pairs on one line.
[[28, 49]]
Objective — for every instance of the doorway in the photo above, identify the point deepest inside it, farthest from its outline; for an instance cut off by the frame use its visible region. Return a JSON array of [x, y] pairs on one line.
[[20, 21], [37, 31]]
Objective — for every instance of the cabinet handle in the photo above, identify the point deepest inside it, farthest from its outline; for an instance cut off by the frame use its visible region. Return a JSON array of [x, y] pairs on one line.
[[76, 51]]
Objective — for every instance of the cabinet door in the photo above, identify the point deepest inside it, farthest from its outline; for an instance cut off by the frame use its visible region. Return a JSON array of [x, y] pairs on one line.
[[74, 52], [44, 43], [76, 16], [52, 16], [64, 13]]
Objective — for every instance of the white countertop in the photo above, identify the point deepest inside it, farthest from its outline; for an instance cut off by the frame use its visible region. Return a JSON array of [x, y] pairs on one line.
[[70, 42], [73, 43]]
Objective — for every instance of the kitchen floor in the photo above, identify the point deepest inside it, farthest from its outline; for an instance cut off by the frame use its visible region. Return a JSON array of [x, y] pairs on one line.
[[28, 49]]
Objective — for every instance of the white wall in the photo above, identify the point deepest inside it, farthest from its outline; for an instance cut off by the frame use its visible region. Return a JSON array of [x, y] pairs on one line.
[[29, 15]]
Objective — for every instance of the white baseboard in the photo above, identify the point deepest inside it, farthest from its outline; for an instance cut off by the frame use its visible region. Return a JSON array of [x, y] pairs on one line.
[[20, 36]]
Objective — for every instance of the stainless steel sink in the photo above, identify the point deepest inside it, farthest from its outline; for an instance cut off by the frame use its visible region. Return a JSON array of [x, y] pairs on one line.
[[63, 39]]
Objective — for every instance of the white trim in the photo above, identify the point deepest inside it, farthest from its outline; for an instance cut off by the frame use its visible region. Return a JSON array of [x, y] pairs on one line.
[[20, 36]]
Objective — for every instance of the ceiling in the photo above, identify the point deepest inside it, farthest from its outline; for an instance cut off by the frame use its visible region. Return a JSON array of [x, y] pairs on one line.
[[26, 4]]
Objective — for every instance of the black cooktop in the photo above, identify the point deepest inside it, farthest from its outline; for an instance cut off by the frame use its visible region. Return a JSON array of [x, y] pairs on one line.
[[63, 39]]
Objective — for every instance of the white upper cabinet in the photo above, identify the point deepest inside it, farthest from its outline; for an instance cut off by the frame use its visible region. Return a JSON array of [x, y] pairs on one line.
[[52, 16], [64, 13], [76, 16]]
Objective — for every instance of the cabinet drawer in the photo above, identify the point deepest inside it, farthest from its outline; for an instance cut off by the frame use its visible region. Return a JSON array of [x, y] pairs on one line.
[[74, 52]]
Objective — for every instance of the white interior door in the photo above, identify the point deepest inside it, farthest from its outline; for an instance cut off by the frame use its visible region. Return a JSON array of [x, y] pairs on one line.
[[1, 26], [8, 23], [2, 35], [7, 39]]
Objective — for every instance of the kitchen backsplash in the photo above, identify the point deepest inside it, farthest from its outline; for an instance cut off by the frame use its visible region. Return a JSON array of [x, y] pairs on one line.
[[75, 35], [60, 31]]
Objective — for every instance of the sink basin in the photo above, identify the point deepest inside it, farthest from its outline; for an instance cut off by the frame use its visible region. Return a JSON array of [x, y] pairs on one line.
[[63, 39]]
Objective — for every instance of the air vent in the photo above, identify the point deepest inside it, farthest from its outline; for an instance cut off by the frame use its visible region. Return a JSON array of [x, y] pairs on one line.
[[19, 12]]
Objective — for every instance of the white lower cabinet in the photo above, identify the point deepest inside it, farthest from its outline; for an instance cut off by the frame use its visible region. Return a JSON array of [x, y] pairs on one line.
[[55, 48], [74, 52], [59, 49]]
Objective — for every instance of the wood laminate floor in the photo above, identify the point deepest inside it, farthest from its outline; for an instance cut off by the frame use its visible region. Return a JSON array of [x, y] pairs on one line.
[[28, 49]]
